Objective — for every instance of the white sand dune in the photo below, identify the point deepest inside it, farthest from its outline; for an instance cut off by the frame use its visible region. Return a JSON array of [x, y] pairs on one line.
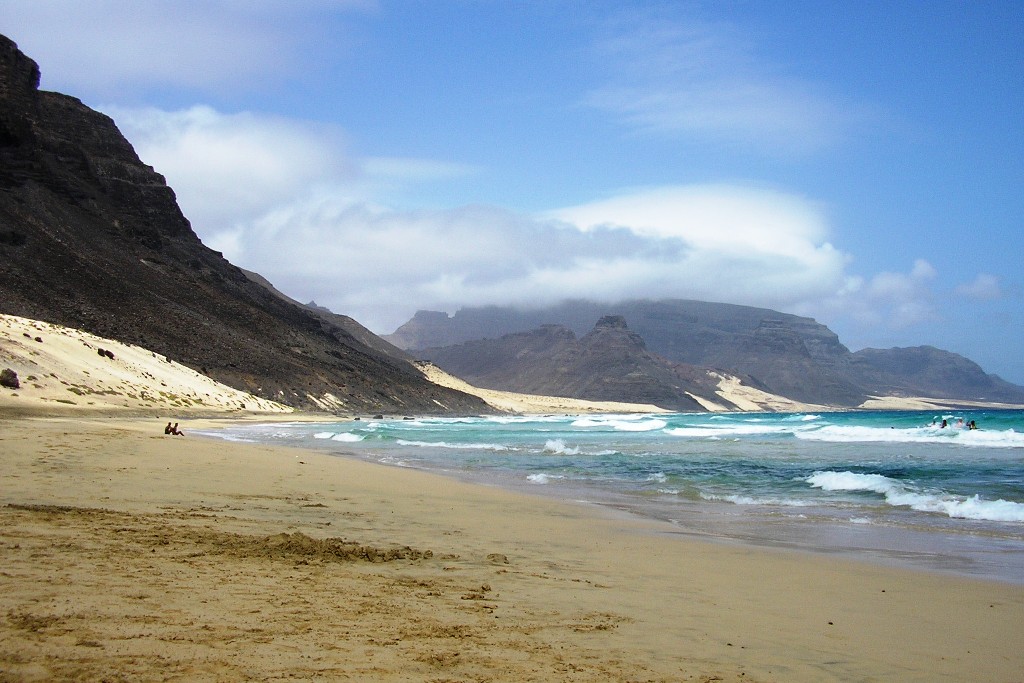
[[729, 389], [62, 369], [531, 403]]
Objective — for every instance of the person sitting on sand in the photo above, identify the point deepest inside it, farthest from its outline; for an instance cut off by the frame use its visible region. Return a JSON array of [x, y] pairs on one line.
[[173, 430], [167, 429]]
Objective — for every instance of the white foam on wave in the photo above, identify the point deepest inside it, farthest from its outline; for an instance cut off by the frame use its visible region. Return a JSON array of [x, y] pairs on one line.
[[455, 446], [558, 447], [852, 481], [348, 437], [323, 435], [801, 417], [281, 434], [962, 437], [622, 424], [521, 419], [740, 499], [854, 434], [226, 436], [898, 494], [541, 478], [993, 439], [719, 431]]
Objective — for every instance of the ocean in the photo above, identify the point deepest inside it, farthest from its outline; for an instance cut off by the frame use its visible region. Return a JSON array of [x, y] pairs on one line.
[[893, 487]]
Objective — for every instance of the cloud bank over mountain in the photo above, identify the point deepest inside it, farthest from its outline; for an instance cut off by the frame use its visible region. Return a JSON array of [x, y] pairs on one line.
[[291, 202]]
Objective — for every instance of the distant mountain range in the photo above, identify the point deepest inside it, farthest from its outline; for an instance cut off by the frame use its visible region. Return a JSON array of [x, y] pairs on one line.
[[609, 363], [559, 349], [91, 238]]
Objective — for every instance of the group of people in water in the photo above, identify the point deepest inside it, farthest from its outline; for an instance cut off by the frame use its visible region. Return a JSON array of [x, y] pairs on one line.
[[960, 424], [173, 430]]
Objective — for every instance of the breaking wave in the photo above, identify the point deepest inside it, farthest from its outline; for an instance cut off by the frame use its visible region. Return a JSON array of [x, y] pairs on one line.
[[900, 494]]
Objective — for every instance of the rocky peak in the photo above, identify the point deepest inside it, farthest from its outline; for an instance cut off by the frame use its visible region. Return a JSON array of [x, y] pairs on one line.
[[615, 322], [19, 79], [611, 331]]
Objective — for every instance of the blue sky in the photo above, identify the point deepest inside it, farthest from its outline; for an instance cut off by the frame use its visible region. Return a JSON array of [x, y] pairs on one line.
[[858, 162]]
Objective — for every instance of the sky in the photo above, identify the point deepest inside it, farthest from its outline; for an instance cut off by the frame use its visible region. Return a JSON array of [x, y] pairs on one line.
[[861, 163]]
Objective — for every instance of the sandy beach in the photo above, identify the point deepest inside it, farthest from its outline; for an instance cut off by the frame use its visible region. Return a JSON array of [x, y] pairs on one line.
[[130, 555]]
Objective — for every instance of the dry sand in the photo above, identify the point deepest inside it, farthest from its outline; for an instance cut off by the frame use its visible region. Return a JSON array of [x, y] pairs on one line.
[[729, 388], [66, 370], [132, 556], [512, 402]]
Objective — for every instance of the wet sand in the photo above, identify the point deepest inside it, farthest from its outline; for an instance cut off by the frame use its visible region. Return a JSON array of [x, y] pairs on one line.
[[129, 555]]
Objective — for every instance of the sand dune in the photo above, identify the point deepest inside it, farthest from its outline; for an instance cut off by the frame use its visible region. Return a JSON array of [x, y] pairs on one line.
[[65, 370], [531, 403]]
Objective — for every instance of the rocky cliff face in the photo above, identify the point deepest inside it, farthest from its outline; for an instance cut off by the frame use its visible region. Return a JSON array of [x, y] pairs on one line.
[[92, 238], [788, 355], [784, 354], [928, 371], [609, 363]]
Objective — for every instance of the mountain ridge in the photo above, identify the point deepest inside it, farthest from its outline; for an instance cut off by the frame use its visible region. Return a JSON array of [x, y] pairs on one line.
[[609, 363], [92, 238], [783, 354]]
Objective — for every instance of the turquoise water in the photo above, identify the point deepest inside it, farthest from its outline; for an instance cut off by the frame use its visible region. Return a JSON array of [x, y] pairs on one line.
[[886, 486]]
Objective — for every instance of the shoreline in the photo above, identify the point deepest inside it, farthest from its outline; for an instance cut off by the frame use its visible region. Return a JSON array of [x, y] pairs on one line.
[[927, 545], [129, 555]]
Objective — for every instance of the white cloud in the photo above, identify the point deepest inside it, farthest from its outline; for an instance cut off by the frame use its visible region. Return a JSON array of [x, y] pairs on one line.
[[231, 168], [984, 287], [381, 265], [892, 300], [286, 198], [419, 170], [204, 44], [709, 82], [720, 217]]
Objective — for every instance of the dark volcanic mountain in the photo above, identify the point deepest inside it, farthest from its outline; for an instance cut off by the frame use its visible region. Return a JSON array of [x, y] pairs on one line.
[[610, 363], [784, 354], [928, 371], [92, 238]]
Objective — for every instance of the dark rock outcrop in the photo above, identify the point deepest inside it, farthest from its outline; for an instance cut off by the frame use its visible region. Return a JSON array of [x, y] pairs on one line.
[[9, 379], [92, 238]]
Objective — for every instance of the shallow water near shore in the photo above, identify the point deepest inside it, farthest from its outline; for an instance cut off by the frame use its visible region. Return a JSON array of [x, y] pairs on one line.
[[890, 487]]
